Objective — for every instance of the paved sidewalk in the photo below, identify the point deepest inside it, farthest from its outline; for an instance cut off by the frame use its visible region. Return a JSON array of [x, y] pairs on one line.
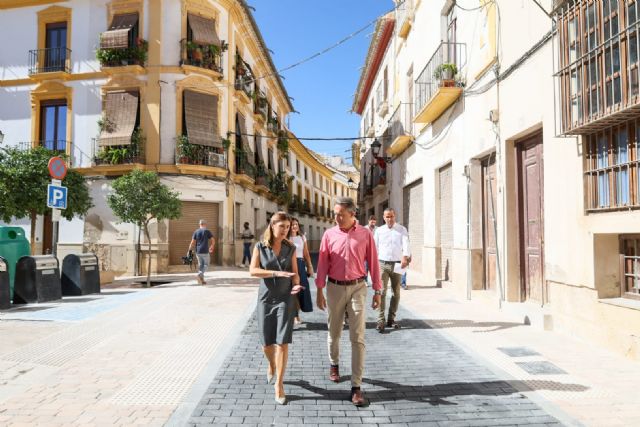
[[605, 389], [124, 357], [413, 376]]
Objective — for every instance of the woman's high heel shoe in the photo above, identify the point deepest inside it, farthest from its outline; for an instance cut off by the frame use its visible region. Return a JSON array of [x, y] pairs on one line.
[[282, 399]]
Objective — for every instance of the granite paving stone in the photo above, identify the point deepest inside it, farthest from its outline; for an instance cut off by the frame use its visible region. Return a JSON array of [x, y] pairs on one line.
[[414, 376]]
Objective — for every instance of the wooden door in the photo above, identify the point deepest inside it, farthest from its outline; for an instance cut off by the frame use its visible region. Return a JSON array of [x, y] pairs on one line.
[[47, 234], [489, 209], [531, 221]]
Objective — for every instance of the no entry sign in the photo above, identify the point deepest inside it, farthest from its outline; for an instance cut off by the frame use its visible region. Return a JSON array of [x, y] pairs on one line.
[[57, 168]]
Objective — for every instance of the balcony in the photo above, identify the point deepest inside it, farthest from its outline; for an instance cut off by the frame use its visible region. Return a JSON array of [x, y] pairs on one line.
[[401, 128], [260, 107], [202, 58], [438, 86], [404, 18], [51, 60], [112, 151], [244, 88], [295, 205], [57, 147], [244, 166], [124, 59], [195, 154], [273, 125]]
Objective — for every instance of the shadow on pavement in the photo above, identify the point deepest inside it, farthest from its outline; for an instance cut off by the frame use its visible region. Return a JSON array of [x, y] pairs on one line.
[[435, 394]]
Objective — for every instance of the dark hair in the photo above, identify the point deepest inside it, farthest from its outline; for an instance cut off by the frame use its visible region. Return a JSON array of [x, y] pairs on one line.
[[372, 217], [246, 224], [267, 239], [300, 233]]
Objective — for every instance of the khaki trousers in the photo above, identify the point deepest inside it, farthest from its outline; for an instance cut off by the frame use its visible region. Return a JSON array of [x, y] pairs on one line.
[[387, 273], [352, 299]]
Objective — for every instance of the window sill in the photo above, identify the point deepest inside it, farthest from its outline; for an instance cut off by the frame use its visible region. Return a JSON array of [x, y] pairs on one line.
[[630, 303]]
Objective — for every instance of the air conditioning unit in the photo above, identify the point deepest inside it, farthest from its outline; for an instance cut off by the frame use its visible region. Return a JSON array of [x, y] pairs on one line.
[[216, 159]]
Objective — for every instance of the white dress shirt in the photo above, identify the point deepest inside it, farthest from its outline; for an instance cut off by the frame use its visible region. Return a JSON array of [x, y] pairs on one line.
[[392, 242]]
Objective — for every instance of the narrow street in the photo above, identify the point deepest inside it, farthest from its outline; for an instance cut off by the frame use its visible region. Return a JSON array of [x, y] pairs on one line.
[[179, 354]]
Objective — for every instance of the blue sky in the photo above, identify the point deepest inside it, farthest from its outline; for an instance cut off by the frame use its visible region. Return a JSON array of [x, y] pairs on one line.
[[322, 88]]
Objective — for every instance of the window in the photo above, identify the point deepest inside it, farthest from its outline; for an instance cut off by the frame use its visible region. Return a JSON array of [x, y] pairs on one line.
[[598, 61], [306, 176], [612, 168], [630, 265], [55, 54], [53, 124], [298, 167], [270, 159]]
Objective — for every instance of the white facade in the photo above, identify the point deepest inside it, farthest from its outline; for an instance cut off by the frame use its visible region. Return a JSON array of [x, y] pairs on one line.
[[493, 122]]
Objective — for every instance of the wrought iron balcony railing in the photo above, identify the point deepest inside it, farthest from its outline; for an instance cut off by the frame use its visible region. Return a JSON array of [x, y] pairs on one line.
[[111, 151], [54, 59], [201, 55], [441, 70], [56, 147], [196, 154]]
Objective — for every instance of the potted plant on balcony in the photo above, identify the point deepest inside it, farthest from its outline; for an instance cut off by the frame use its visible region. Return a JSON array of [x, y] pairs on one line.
[[194, 52], [261, 174], [185, 149], [282, 144], [445, 73]]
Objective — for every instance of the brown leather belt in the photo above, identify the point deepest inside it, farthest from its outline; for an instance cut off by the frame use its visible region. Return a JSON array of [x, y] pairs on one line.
[[345, 282]]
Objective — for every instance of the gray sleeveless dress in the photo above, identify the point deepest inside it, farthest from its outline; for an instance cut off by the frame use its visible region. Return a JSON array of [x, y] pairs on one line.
[[276, 306]]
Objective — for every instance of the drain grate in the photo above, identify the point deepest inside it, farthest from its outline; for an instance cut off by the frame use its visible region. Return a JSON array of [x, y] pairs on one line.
[[540, 368], [518, 351]]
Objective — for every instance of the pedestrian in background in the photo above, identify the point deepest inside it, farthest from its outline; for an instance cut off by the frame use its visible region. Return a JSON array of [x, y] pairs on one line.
[[392, 243], [343, 251], [305, 269], [247, 239], [274, 262], [372, 227], [204, 242]]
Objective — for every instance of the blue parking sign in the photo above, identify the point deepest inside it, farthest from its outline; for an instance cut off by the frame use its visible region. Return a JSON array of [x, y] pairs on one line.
[[57, 196]]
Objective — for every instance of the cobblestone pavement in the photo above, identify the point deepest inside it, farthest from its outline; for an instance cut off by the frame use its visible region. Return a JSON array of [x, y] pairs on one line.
[[413, 376], [124, 357]]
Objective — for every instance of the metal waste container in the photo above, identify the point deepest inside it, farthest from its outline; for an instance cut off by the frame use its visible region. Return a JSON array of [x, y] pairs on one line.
[[13, 246], [5, 289], [80, 275], [37, 280]]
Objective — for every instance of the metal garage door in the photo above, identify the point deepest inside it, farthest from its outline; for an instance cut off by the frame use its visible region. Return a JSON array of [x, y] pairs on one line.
[[413, 219], [446, 221], [181, 230]]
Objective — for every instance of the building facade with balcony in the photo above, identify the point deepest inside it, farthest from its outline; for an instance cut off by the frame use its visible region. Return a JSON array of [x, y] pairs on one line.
[[186, 88], [516, 154]]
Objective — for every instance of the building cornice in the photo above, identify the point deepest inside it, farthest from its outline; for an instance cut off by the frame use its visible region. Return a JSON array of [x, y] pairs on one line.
[[375, 54], [10, 4]]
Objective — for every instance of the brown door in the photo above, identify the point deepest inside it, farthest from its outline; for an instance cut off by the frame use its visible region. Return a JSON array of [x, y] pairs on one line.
[[47, 234], [181, 230], [489, 209], [530, 197], [446, 221]]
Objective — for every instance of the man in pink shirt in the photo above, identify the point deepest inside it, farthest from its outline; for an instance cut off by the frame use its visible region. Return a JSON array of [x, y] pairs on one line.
[[343, 251]]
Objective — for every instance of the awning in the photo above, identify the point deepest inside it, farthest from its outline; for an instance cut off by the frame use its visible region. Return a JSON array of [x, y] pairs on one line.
[[117, 37], [120, 115], [245, 141], [204, 30], [201, 118]]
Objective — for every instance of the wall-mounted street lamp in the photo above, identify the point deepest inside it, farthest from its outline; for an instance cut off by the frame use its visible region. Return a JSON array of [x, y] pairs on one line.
[[375, 150], [351, 184]]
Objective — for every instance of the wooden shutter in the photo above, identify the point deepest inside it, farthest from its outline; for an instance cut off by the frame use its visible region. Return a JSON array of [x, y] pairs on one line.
[[204, 30], [120, 114], [245, 141], [117, 37], [201, 118]]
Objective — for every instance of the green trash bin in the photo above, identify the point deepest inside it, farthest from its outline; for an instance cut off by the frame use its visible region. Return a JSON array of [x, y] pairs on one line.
[[13, 246]]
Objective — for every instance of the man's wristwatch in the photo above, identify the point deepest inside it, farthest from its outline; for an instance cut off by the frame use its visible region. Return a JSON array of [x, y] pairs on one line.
[[377, 292]]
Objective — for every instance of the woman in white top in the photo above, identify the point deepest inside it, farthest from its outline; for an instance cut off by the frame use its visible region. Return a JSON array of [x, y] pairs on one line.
[[305, 268]]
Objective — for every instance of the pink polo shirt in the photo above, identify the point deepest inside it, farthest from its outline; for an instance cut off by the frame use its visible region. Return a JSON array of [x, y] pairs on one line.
[[343, 253]]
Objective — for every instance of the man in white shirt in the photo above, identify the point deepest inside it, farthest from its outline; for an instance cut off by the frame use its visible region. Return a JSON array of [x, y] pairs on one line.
[[392, 243]]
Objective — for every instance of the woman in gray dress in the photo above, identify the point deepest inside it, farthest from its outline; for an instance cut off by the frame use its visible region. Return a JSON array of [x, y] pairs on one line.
[[274, 261]]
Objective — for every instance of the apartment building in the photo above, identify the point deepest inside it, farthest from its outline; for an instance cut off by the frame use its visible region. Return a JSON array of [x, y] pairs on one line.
[[186, 88], [513, 144]]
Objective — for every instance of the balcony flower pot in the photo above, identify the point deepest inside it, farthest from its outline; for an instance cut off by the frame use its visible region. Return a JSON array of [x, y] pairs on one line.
[[261, 180]]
